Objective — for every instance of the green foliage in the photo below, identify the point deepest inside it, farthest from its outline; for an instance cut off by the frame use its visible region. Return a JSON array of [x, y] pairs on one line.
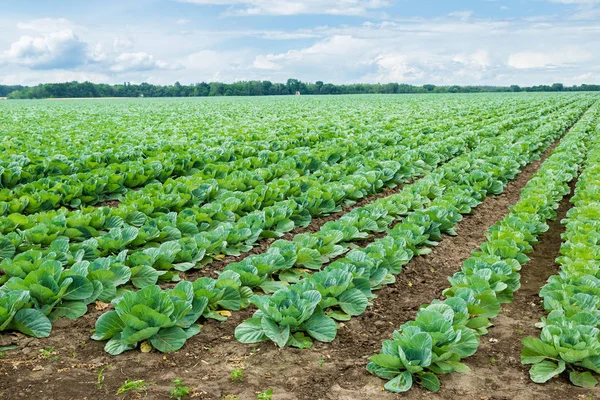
[[237, 375], [49, 354], [165, 318], [180, 390], [133, 385], [254, 88], [432, 206], [15, 314], [266, 395], [202, 194], [100, 377], [284, 317], [447, 331], [569, 340]]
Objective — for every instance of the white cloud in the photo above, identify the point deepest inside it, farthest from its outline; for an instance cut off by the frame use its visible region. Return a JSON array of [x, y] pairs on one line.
[[122, 43], [587, 14], [584, 9], [48, 25], [439, 51], [212, 65], [183, 21], [587, 77], [263, 62], [444, 50], [385, 57], [422, 66], [334, 52], [531, 59], [399, 68], [554, 59], [62, 49], [280, 35], [34, 77], [295, 7], [480, 58], [141, 61], [462, 15]]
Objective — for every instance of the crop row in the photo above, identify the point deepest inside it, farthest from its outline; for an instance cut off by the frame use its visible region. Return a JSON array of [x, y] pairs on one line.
[[570, 338], [298, 311], [175, 242], [231, 169], [156, 157], [341, 295], [51, 291], [218, 174], [445, 332]]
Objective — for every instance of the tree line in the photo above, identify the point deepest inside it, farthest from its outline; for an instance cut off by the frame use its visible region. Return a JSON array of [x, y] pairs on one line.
[[5, 90], [255, 88]]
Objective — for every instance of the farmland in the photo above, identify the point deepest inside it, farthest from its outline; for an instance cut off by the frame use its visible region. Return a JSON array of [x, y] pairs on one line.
[[351, 247]]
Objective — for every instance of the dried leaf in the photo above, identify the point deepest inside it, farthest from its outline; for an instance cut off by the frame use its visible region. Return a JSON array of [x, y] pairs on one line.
[[146, 347], [224, 313], [101, 306]]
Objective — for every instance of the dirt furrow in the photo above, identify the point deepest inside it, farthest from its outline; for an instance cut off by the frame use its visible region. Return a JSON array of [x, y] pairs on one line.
[[498, 359]]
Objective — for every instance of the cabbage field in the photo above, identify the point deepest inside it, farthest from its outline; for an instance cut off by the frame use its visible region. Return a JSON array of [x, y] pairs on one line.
[[344, 247]]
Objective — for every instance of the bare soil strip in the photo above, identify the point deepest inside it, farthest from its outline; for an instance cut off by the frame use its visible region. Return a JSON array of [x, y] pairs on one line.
[[327, 371]]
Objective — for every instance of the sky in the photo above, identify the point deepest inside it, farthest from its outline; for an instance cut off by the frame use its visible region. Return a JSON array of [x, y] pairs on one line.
[[442, 42]]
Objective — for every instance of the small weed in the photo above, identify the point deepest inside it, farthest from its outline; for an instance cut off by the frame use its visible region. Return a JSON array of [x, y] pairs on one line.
[[321, 361], [137, 385], [520, 331], [7, 348], [49, 354], [237, 375], [266, 395], [492, 360], [179, 391], [100, 380]]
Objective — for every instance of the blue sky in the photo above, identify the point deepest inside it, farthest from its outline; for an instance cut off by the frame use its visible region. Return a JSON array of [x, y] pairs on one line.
[[492, 42]]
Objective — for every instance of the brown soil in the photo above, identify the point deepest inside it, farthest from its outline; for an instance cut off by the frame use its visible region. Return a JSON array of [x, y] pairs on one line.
[[334, 371], [108, 203], [498, 358]]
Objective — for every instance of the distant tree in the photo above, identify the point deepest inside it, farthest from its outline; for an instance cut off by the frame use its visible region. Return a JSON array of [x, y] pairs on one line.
[[318, 85], [216, 89], [266, 87], [293, 85]]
